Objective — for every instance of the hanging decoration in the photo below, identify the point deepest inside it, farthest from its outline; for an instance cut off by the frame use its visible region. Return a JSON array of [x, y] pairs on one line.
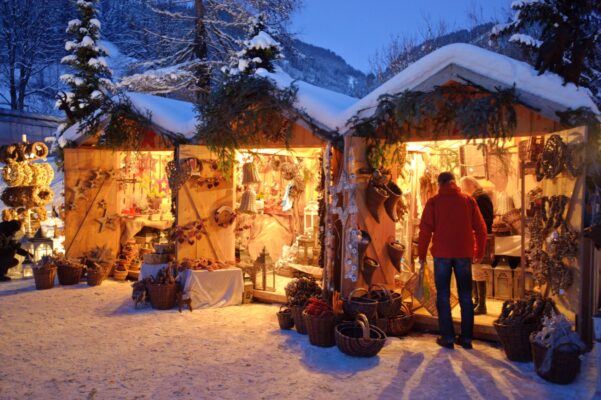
[[224, 216], [190, 233]]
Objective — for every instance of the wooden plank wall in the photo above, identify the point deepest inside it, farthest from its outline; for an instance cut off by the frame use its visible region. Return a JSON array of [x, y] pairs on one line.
[[82, 231]]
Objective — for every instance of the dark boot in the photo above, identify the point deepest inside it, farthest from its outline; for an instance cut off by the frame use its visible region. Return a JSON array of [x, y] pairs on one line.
[[481, 308], [475, 293]]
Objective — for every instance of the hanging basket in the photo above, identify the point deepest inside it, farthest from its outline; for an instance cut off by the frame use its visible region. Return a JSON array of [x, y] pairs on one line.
[[368, 267], [285, 318], [395, 253], [44, 278], [356, 305], [394, 196], [162, 296], [321, 328], [516, 340], [69, 274], [565, 365], [375, 196], [359, 338], [299, 321]]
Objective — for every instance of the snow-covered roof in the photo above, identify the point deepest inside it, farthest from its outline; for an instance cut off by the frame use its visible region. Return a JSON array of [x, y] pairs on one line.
[[173, 116], [545, 92], [324, 106]]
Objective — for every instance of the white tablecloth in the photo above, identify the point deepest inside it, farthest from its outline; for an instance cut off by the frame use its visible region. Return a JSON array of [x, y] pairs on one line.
[[508, 245], [150, 270], [212, 289]]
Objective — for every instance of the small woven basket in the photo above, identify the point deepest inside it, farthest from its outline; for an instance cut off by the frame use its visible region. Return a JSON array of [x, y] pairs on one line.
[[44, 278], [94, 277], [299, 321], [565, 365], [516, 340], [69, 275], [321, 328], [400, 325], [359, 339], [162, 296], [120, 275], [355, 305], [285, 318]]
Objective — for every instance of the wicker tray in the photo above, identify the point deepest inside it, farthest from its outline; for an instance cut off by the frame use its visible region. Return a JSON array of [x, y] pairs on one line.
[[162, 297], [359, 339], [44, 278]]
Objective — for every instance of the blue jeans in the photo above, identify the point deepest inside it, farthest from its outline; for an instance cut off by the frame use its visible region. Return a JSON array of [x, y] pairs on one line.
[[443, 267]]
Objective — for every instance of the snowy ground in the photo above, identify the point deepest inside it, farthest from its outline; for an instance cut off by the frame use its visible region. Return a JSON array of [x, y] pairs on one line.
[[82, 342]]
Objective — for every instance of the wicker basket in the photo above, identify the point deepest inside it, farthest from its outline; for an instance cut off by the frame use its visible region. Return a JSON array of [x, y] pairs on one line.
[[120, 275], [162, 297], [565, 365], [400, 325], [389, 303], [321, 328], [359, 339], [44, 278], [516, 340], [94, 277], [299, 321], [285, 318], [68, 275], [355, 305]]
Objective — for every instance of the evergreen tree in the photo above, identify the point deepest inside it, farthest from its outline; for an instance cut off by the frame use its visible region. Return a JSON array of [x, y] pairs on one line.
[[260, 50], [91, 77], [564, 35]]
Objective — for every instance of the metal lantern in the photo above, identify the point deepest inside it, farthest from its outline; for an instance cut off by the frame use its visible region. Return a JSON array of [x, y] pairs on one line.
[[40, 246], [248, 203], [264, 265], [250, 174]]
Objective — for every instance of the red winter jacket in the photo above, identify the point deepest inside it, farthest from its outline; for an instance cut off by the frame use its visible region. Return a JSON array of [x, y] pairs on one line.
[[451, 219]]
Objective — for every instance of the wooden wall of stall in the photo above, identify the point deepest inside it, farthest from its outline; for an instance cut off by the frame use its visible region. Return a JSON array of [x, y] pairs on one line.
[[82, 229]]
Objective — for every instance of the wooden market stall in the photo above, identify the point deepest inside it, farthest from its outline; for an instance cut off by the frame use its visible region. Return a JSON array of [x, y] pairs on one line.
[[506, 168]]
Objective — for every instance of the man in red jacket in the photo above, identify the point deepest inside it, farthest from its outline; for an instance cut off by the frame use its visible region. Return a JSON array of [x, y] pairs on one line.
[[453, 221]]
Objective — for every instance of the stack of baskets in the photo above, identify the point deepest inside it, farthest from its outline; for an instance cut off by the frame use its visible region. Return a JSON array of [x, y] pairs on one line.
[[359, 338]]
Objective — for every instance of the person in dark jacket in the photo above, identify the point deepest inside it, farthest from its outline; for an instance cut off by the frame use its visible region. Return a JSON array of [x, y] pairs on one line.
[[452, 221], [471, 186]]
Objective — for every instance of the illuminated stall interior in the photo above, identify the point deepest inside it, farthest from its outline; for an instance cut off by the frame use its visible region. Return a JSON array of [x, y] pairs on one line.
[[278, 201]]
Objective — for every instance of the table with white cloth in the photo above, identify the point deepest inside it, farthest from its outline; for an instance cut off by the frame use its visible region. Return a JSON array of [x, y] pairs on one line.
[[509, 245], [207, 289], [212, 289]]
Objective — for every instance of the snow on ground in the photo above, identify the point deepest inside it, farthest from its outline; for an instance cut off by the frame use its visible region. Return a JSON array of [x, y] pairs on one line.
[[89, 342]]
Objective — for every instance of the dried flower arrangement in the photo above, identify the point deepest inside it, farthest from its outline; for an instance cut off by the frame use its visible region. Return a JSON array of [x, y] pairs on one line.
[[300, 290], [527, 311]]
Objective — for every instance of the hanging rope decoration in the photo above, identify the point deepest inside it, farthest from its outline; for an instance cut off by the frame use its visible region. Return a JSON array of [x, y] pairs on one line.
[[20, 152], [551, 161]]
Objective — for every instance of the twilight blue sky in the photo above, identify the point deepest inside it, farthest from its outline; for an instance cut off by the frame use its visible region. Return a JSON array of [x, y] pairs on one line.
[[355, 29]]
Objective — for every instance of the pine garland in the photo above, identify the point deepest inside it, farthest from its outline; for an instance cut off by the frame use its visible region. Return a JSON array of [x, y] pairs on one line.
[[246, 110], [473, 111]]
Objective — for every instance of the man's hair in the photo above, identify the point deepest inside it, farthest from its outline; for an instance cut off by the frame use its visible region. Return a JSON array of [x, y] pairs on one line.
[[445, 177], [471, 180]]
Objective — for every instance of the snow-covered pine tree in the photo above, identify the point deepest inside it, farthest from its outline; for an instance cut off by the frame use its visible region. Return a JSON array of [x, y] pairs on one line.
[[564, 34], [260, 50], [91, 78]]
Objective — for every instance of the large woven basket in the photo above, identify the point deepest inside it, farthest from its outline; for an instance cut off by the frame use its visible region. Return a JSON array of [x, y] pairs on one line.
[[516, 340], [162, 296], [389, 303], [285, 318], [400, 325], [299, 321], [356, 305], [359, 339], [94, 277], [68, 275], [321, 329], [44, 278], [565, 365]]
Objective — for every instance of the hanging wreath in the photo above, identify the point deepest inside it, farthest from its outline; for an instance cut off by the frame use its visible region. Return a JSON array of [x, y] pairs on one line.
[[289, 170], [224, 216], [17, 174], [27, 196], [36, 150], [551, 161], [43, 174]]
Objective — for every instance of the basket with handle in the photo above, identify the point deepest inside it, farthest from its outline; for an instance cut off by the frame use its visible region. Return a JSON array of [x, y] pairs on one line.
[[321, 328], [359, 338], [401, 324], [44, 277], [285, 317], [356, 305], [389, 303], [69, 274], [565, 365]]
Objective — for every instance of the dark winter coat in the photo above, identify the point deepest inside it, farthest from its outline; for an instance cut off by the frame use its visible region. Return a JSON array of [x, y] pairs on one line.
[[486, 209]]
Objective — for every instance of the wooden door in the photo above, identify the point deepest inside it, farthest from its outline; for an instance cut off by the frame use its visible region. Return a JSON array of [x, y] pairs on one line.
[[199, 202], [88, 204]]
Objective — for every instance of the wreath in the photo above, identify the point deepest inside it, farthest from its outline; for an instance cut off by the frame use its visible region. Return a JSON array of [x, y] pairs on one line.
[[551, 161], [27, 196], [224, 216], [43, 174]]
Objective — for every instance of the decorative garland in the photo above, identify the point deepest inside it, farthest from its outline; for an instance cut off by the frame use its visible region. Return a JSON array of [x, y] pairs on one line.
[[245, 110], [471, 110]]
